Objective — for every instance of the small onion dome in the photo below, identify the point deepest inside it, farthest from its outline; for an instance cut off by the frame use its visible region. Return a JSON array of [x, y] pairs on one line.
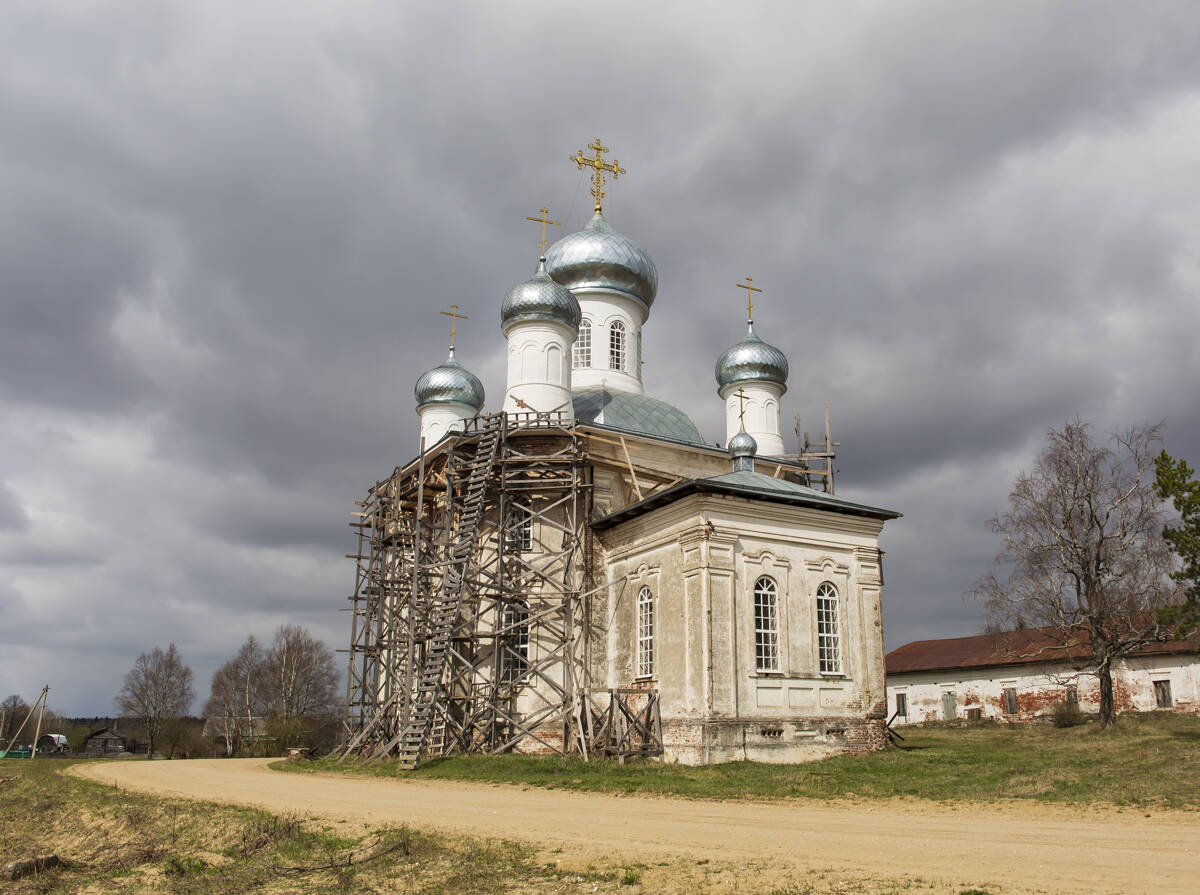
[[451, 383], [540, 298], [598, 257], [742, 448], [752, 360]]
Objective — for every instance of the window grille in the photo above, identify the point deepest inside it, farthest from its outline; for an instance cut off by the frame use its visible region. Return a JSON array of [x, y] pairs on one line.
[[645, 633], [766, 625], [616, 346], [581, 351], [1162, 694], [514, 656], [1010, 700], [829, 645], [519, 530]]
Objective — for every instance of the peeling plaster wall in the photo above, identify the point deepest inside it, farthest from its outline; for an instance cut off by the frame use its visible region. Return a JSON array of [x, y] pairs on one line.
[[701, 557], [1041, 686]]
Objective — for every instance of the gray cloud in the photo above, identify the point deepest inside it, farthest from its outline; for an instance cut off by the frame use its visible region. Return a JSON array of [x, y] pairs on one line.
[[228, 232]]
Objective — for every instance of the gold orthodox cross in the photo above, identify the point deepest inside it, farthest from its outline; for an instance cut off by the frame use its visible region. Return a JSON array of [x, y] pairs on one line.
[[740, 394], [750, 290], [454, 318], [543, 220], [598, 166]]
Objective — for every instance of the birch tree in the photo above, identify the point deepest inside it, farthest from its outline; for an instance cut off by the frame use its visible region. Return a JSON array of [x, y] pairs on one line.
[[236, 699], [1084, 557], [157, 689]]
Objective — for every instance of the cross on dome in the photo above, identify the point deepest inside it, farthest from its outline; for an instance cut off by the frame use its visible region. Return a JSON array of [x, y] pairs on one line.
[[543, 220], [740, 394], [454, 318], [750, 290], [598, 166]]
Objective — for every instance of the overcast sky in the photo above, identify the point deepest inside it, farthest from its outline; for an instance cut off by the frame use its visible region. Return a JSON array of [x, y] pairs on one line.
[[228, 227]]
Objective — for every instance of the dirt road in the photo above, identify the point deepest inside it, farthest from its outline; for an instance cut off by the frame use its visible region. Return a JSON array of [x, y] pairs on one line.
[[1007, 848]]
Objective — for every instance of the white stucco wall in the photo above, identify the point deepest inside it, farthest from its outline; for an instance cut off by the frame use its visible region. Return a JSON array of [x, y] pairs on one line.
[[1040, 687], [701, 557]]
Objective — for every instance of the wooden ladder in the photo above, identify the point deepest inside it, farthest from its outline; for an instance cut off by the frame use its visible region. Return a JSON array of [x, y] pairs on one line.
[[447, 604]]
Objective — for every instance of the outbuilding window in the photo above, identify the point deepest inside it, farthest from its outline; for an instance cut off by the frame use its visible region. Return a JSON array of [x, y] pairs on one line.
[[829, 645], [616, 346], [1162, 694], [901, 705], [766, 624], [949, 706], [1010, 700], [581, 351], [645, 633]]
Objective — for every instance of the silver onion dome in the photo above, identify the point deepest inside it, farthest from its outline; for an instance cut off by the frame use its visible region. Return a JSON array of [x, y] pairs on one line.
[[752, 360], [450, 383], [742, 448], [540, 298], [598, 257]]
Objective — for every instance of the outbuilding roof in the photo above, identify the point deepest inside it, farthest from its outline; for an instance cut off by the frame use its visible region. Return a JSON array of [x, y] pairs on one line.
[[1025, 647]]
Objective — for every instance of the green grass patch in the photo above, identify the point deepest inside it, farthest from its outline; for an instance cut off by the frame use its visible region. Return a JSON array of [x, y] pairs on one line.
[[1148, 760]]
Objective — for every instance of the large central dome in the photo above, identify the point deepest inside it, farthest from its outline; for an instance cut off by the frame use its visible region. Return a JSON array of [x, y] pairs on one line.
[[598, 257], [634, 413]]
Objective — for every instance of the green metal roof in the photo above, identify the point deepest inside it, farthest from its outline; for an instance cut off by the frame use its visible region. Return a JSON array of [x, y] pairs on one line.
[[751, 485], [634, 413]]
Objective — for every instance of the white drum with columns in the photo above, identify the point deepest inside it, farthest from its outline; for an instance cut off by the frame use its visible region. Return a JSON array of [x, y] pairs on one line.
[[540, 320]]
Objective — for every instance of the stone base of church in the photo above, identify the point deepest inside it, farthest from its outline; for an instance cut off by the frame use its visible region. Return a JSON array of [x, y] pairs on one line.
[[785, 740], [773, 740]]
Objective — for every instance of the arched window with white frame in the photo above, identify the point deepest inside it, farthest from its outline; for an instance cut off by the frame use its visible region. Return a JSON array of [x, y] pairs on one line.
[[645, 632], [766, 624], [829, 640], [616, 345], [581, 351]]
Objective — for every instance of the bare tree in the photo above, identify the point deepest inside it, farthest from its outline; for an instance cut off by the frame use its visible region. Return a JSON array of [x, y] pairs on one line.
[[299, 679], [157, 689], [236, 700], [13, 711], [1084, 552]]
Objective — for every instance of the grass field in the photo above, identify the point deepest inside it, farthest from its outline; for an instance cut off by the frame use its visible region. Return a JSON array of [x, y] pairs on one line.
[[1150, 760]]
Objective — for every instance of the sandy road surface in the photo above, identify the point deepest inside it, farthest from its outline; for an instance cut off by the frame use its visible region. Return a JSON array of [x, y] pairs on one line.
[[1008, 848]]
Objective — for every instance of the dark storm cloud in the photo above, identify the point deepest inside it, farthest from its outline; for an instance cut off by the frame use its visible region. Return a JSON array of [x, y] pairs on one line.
[[228, 231]]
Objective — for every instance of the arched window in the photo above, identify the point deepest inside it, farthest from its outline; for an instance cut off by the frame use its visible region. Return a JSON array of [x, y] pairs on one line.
[[645, 633], [581, 352], [829, 646], [514, 643], [616, 346], [766, 624]]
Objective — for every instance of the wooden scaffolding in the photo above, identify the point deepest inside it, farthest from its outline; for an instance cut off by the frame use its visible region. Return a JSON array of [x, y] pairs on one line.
[[471, 608]]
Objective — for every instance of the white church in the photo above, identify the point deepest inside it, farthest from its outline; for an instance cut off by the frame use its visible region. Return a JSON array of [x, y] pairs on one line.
[[671, 598]]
